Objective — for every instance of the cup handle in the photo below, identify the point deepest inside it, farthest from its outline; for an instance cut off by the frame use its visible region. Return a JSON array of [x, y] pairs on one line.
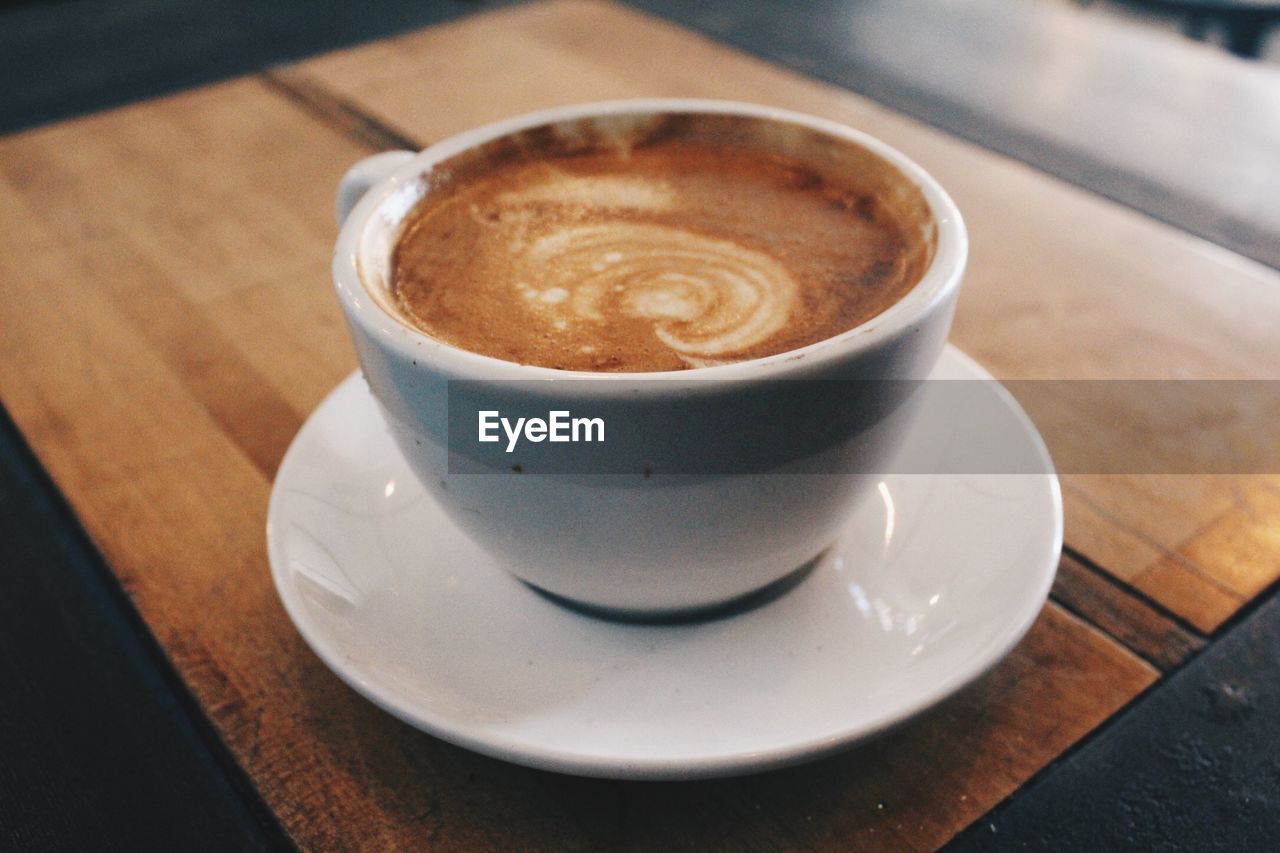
[[356, 182]]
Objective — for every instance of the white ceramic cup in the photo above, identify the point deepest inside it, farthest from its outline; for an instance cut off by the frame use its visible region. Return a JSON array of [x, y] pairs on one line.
[[658, 540]]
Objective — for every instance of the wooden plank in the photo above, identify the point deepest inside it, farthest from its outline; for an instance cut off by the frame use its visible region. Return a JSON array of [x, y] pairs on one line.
[[1062, 284], [1106, 604], [193, 263], [168, 321], [1241, 543]]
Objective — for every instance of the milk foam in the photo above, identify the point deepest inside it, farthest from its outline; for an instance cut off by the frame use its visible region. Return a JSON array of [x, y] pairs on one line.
[[705, 296]]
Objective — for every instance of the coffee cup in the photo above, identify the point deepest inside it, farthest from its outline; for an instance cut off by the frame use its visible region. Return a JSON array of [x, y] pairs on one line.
[[720, 481]]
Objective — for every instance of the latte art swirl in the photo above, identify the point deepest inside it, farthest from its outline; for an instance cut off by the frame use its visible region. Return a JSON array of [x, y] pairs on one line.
[[705, 297]]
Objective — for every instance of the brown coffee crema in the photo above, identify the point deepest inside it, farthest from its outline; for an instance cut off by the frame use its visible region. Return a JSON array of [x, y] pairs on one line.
[[654, 244]]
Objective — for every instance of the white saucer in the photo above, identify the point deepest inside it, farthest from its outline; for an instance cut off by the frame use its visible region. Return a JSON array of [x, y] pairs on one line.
[[935, 579]]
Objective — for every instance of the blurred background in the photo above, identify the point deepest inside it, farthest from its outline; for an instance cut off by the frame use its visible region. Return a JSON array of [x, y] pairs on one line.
[[65, 57]]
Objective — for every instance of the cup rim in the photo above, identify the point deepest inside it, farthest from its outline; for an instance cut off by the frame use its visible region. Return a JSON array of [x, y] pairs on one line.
[[936, 286]]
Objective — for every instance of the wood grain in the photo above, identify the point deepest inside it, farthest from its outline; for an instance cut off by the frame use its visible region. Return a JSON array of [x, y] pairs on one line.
[[1062, 284], [167, 323]]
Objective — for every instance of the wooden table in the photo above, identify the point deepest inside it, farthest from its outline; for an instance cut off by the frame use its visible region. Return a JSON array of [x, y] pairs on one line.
[[168, 324]]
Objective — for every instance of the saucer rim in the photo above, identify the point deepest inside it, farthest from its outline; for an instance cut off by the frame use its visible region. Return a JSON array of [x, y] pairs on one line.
[[672, 768]]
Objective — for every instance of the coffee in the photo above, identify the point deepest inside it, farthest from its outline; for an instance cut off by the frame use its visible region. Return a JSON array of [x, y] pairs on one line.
[[682, 241]]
